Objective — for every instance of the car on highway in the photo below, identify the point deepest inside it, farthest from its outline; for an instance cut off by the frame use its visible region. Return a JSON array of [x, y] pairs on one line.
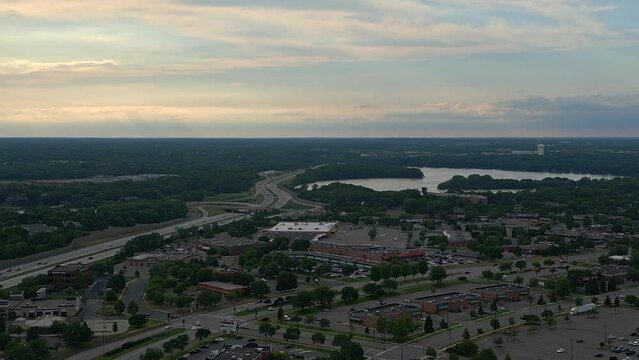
[[561, 350], [271, 308]]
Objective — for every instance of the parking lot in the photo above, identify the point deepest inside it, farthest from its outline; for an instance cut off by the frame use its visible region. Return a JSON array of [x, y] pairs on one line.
[[543, 345]]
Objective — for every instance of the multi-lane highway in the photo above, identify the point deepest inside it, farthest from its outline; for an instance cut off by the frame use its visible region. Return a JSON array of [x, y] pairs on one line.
[[272, 197], [13, 276]]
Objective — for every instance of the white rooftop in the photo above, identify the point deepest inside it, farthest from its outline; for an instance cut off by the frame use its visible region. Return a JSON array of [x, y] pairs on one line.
[[315, 227]]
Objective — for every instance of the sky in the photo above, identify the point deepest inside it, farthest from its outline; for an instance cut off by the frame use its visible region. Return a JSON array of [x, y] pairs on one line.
[[321, 68]]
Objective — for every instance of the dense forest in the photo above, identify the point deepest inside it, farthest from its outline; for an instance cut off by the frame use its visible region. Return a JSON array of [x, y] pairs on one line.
[[356, 171], [617, 197], [64, 225], [486, 182]]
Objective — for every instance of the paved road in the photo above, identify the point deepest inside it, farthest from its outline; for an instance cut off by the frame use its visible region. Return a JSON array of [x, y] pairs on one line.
[[104, 250], [92, 302]]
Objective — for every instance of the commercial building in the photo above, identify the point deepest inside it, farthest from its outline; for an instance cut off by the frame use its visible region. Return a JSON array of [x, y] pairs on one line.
[[501, 292], [234, 246], [223, 288], [145, 261], [302, 230], [67, 275], [452, 301], [34, 309], [613, 271], [237, 352], [368, 317]]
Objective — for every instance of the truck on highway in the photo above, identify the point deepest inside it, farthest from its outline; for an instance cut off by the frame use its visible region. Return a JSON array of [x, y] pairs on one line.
[[582, 309]]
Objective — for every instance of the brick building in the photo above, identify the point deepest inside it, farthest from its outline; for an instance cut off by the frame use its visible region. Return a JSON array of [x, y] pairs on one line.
[[368, 317], [501, 292], [223, 288], [452, 301], [68, 275]]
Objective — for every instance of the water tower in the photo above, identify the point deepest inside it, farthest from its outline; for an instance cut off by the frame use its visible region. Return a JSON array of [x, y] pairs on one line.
[[541, 148]]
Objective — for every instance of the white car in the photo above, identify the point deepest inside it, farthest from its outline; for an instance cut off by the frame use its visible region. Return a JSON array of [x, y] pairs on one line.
[[197, 323], [271, 308], [193, 328], [561, 350], [167, 327]]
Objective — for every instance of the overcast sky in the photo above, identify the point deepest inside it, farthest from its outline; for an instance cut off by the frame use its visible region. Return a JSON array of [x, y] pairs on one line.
[[275, 68]]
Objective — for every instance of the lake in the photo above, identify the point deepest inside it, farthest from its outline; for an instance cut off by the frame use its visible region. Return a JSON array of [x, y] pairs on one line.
[[435, 176]]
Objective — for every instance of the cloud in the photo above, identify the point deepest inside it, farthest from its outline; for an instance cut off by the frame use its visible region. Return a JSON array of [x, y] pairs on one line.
[[564, 116], [23, 67], [361, 30]]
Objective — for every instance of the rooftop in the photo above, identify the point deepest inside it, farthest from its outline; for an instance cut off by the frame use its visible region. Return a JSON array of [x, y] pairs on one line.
[[44, 304], [387, 309], [64, 268], [501, 287], [315, 227], [446, 297], [611, 270], [244, 353], [222, 285], [163, 256]]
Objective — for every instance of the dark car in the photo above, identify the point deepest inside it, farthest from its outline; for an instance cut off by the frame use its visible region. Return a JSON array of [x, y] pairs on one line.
[[204, 346], [267, 301], [599, 355], [195, 351]]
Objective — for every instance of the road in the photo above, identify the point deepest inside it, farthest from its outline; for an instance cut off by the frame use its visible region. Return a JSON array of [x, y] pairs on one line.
[[272, 197], [102, 251]]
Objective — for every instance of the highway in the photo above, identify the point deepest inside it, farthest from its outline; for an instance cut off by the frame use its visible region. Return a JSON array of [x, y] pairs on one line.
[[272, 197], [13, 276]]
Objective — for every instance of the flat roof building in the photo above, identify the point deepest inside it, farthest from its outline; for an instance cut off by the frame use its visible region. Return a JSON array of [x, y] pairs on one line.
[[145, 261], [451, 301], [368, 317], [222, 287], [237, 352], [34, 309], [501, 292], [314, 227]]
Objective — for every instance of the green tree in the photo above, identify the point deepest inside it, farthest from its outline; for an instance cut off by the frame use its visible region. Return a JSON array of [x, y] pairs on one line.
[[118, 306], [208, 298], [291, 334], [349, 294], [318, 338], [259, 288], [428, 325], [133, 308], [137, 320], [202, 333], [74, 333], [372, 233], [422, 266], [375, 273], [437, 274], [402, 328], [324, 323], [152, 354]]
